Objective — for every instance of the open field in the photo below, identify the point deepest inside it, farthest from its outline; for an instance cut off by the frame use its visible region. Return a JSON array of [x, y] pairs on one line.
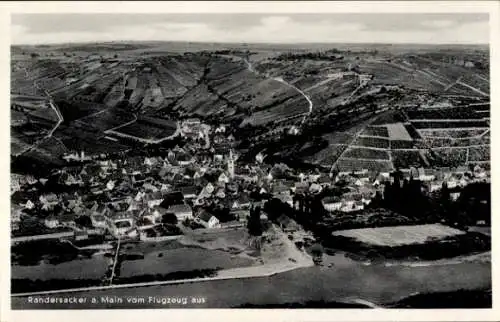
[[180, 259], [400, 235], [397, 131], [84, 268]]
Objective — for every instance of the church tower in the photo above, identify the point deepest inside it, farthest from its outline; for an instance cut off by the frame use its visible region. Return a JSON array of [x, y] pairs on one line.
[[230, 164]]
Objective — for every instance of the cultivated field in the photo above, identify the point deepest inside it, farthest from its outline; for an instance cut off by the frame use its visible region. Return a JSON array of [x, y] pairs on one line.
[[397, 131], [147, 128], [360, 153], [399, 235]]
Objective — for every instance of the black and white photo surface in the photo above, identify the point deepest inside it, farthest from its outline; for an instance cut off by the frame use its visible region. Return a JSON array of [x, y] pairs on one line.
[[250, 160]]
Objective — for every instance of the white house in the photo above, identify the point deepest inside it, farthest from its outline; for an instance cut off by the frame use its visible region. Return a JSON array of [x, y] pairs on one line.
[[435, 186], [98, 221], [189, 192], [426, 174], [69, 179], [51, 222], [209, 188], [29, 205], [49, 201], [385, 175], [16, 181], [110, 185], [259, 157], [139, 196], [352, 205], [454, 196], [452, 183], [181, 211], [154, 199], [208, 220], [315, 188], [242, 202], [220, 194], [331, 203], [220, 129], [120, 223], [223, 178]]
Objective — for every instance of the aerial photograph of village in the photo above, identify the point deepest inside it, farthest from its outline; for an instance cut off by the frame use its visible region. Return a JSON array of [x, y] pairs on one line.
[[155, 166]]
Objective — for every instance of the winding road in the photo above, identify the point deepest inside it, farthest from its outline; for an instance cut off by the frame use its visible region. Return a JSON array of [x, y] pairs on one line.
[[281, 80], [53, 106]]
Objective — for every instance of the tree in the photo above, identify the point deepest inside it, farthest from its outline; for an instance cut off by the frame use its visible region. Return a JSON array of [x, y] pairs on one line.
[[34, 55], [83, 221], [169, 218], [317, 253], [254, 225]]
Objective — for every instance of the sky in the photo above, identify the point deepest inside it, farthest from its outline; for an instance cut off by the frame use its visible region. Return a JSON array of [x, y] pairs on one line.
[[430, 28]]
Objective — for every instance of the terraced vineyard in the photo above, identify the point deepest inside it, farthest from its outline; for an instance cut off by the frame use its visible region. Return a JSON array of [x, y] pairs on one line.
[[265, 92], [421, 138]]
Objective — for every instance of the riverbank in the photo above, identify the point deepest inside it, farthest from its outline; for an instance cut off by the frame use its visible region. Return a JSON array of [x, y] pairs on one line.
[[345, 281]]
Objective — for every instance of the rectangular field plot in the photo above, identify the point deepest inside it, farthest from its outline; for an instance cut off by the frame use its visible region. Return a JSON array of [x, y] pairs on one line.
[[452, 133], [361, 153], [328, 156], [480, 153], [338, 138], [438, 114], [107, 119], [401, 144], [147, 128], [451, 157], [372, 142], [400, 235], [406, 159], [355, 165], [397, 131], [376, 131], [449, 124]]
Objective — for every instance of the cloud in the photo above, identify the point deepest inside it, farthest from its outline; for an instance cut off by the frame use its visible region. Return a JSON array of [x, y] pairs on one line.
[[249, 28]]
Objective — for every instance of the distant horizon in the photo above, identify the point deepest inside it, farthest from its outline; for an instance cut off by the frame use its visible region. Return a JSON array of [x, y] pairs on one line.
[[253, 28], [248, 43]]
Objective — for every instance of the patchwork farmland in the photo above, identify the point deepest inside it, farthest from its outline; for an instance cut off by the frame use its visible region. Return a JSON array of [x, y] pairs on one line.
[[425, 137]]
